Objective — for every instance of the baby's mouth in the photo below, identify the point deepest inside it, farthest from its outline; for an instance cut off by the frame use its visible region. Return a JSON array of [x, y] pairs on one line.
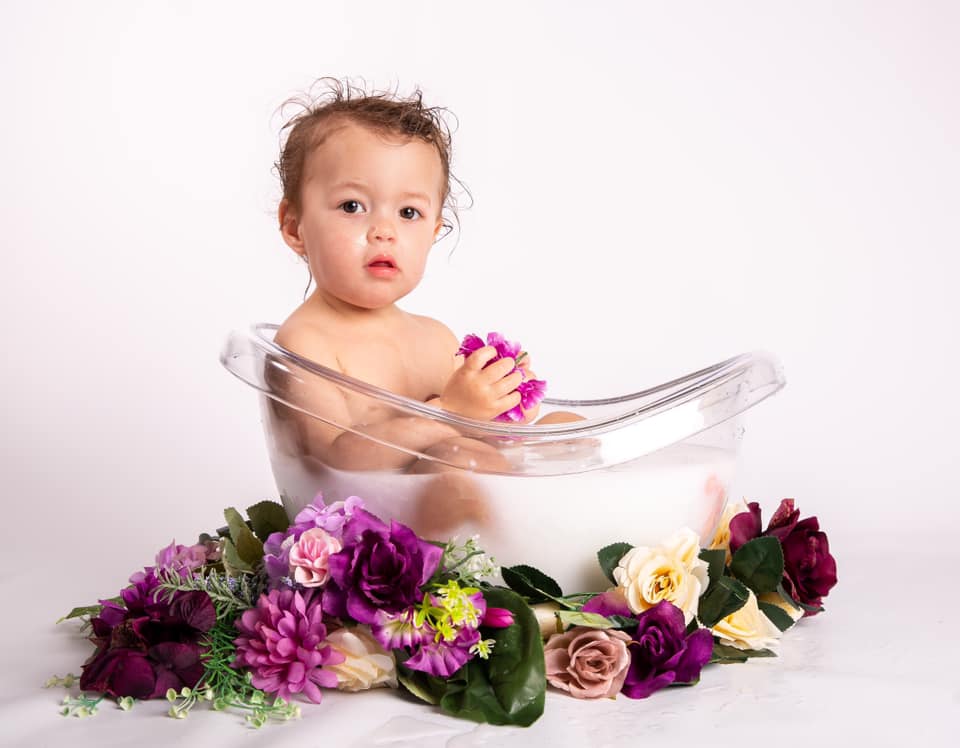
[[383, 266], [382, 261]]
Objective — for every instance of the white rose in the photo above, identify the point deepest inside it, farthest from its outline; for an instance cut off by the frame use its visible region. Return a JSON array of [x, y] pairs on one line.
[[670, 571], [367, 664], [748, 628], [721, 538]]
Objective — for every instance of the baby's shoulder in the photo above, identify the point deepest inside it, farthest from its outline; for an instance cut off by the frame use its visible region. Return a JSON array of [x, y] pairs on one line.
[[435, 331], [310, 340]]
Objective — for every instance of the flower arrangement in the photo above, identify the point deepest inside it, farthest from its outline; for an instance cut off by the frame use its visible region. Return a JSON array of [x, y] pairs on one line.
[[266, 612]]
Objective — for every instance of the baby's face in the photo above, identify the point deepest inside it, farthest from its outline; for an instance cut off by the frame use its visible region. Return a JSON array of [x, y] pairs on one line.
[[370, 212]]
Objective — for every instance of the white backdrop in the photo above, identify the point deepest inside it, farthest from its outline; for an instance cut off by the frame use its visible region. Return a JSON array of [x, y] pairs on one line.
[[656, 187]]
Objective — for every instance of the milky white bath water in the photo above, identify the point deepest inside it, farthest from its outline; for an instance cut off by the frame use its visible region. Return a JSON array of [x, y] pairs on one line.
[[556, 523]]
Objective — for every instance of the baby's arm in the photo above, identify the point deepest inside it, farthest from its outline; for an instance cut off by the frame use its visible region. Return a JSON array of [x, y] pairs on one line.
[[343, 449]]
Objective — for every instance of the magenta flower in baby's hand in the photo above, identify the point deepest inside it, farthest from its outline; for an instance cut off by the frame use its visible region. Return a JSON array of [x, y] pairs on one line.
[[531, 391]]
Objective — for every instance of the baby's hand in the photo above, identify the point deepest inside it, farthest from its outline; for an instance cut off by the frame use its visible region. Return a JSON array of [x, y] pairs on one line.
[[482, 393]]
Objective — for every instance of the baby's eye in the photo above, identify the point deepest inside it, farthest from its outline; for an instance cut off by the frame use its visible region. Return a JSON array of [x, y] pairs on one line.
[[409, 208], [353, 203]]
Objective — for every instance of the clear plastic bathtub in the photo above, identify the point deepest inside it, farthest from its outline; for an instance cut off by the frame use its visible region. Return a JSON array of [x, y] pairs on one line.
[[636, 468]]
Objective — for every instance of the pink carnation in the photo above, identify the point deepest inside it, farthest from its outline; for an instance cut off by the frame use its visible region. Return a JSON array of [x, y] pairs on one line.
[[532, 391], [310, 556], [281, 642]]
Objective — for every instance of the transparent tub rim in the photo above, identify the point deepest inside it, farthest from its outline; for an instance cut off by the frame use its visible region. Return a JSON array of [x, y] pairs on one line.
[[701, 382]]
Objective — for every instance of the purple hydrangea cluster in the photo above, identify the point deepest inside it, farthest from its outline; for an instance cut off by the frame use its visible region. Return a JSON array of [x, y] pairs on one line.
[[316, 514]]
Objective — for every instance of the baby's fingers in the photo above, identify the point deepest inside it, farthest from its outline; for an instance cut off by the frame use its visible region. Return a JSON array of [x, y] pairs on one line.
[[498, 370], [480, 357], [507, 384]]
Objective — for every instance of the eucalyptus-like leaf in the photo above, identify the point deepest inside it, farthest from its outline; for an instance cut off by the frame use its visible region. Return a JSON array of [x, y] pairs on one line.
[[589, 620]]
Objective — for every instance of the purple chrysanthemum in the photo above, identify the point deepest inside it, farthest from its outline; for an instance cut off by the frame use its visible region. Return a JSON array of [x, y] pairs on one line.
[[281, 642]]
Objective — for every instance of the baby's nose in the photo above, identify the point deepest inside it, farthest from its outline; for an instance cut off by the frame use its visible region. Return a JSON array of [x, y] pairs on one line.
[[382, 230]]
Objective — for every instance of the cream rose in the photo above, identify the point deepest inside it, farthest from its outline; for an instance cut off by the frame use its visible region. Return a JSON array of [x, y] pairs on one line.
[[721, 538], [748, 628], [366, 664], [670, 571], [546, 614]]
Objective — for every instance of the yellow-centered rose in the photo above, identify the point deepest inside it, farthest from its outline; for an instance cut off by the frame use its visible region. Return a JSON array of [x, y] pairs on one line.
[[671, 571], [721, 538], [748, 628]]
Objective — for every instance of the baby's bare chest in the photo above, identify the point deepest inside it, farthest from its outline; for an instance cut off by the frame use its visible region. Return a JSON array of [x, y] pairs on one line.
[[413, 366]]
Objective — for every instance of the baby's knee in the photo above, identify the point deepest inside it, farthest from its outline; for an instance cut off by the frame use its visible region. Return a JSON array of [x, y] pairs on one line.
[[462, 452]]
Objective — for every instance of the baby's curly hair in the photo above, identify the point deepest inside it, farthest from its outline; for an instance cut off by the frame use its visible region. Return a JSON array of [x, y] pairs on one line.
[[382, 112]]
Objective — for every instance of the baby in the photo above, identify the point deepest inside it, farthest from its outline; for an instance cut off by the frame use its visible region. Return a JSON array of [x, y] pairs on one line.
[[365, 179]]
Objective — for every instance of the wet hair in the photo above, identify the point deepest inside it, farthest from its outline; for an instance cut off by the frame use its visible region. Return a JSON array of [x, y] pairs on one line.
[[382, 112]]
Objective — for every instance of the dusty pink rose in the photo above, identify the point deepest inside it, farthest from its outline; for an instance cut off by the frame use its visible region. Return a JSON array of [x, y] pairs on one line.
[[310, 557], [587, 663]]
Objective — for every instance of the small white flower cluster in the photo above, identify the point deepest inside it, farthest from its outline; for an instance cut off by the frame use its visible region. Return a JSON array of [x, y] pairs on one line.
[[469, 561]]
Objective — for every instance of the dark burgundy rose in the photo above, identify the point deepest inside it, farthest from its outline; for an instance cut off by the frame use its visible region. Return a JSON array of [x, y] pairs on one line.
[[381, 568], [809, 571], [151, 645], [662, 653]]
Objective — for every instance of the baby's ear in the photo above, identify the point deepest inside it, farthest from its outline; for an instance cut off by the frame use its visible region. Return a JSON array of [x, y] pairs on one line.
[[290, 226]]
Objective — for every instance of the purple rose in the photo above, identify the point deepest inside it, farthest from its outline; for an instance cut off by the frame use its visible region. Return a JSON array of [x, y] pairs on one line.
[[151, 644], [809, 571], [662, 653], [380, 568]]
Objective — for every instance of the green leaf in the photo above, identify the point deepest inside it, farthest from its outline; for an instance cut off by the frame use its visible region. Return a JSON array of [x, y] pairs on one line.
[[232, 561], [777, 615], [533, 584], [589, 620], [721, 599], [724, 654], [507, 689], [86, 610], [803, 606], [716, 562], [247, 546], [268, 517], [609, 556], [758, 563]]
